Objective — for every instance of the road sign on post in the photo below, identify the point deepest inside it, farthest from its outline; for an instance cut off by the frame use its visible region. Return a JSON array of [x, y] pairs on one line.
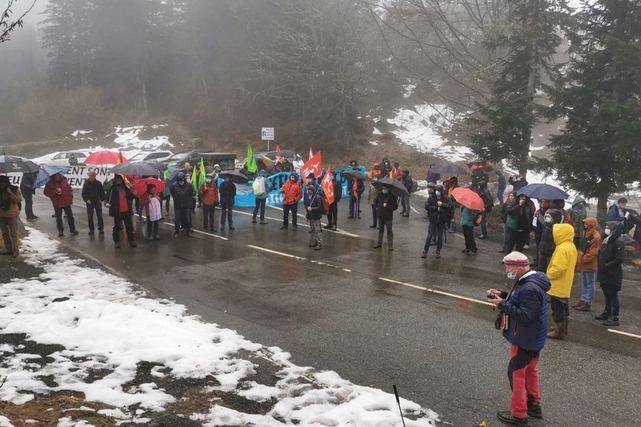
[[267, 134]]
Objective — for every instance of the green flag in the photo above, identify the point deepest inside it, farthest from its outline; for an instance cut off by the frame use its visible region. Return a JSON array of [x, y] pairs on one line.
[[251, 162], [202, 175], [194, 180]]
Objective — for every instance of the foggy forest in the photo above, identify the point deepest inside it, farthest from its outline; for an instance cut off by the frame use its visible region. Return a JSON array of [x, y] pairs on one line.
[[326, 72]]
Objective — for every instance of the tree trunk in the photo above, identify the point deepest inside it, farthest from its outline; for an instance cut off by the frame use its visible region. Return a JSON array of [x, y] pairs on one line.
[[143, 87], [601, 209]]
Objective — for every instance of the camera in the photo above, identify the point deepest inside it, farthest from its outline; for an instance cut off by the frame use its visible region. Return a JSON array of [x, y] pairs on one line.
[[490, 295]]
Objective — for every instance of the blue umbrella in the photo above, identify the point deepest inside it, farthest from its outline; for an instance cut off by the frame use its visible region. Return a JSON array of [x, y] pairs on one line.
[[46, 172], [543, 191]]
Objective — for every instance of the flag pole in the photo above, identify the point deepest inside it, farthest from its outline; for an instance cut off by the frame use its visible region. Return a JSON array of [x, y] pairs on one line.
[[399, 404]]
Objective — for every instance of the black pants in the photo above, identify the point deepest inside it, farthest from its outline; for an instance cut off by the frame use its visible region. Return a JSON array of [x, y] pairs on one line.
[[468, 233], [209, 220], [390, 232], [70, 220], [560, 309], [182, 217], [152, 228], [355, 207], [611, 294], [27, 196], [123, 218], [294, 210], [515, 238], [332, 217], [374, 216], [226, 214]]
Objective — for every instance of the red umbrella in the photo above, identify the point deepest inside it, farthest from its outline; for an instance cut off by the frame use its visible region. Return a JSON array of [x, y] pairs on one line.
[[105, 158], [141, 186], [468, 198]]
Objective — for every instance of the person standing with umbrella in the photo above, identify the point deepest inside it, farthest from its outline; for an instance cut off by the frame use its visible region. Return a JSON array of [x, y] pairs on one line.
[[93, 194], [438, 207], [386, 203], [10, 197], [355, 187], [518, 223], [119, 201], [471, 204], [28, 190], [61, 195]]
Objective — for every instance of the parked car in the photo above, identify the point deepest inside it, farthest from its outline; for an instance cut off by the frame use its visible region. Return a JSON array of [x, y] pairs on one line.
[[191, 156], [68, 158], [143, 156]]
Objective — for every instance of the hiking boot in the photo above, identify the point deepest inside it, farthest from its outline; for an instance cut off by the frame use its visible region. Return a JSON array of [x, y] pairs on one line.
[[294, 228], [91, 233], [175, 235], [584, 306], [378, 245], [101, 232], [481, 236], [61, 233], [372, 226], [312, 245], [74, 231], [318, 247], [390, 247], [438, 254], [284, 227], [535, 411], [190, 234], [262, 221], [466, 250], [424, 254], [253, 220], [579, 303], [613, 321], [507, 418], [327, 227], [559, 332], [602, 316], [133, 244], [334, 228], [16, 254], [156, 237], [150, 238]]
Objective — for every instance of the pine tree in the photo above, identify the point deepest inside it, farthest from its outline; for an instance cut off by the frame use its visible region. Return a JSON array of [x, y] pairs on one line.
[[598, 152], [67, 36], [529, 42]]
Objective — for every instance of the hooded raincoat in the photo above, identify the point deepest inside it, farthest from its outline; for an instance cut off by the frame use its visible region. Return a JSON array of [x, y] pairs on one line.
[[561, 268], [588, 253]]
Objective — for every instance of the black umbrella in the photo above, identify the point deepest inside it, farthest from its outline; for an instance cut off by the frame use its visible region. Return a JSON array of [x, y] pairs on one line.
[[157, 165], [235, 177], [142, 169], [396, 187], [354, 173], [287, 154], [15, 164], [450, 168]]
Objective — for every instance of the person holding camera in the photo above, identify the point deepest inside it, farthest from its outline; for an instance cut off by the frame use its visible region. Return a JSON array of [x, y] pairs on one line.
[[522, 309]]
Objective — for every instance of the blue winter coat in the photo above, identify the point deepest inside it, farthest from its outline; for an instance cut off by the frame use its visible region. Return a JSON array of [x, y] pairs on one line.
[[525, 309]]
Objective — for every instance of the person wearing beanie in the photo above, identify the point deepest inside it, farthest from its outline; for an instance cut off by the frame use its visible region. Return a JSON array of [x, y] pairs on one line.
[[524, 309], [560, 271], [546, 244], [314, 208], [386, 203], [610, 271], [10, 197]]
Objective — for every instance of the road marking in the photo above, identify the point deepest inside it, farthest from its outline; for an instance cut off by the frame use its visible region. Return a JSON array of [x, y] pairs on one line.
[[435, 291], [627, 334], [271, 251], [412, 208], [205, 233]]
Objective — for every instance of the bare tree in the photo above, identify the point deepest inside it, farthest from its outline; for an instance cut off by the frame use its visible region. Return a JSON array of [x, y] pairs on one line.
[[7, 23]]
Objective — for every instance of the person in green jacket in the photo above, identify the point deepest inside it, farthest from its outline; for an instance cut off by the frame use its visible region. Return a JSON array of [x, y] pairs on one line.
[[578, 214], [467, 222]]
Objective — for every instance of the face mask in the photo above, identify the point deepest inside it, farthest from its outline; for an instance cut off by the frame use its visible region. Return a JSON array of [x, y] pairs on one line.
[[585, 227], [385, 190], [608, 231], [547, 220], [292, 179], [227, 179], [511, 275], [208, 181], [438, 193], [579, 208], [181, 181]]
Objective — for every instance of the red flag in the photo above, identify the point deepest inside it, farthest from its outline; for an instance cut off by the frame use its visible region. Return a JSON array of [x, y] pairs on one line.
[[311, 153], [277, 147], [328, 186], [314, 165]]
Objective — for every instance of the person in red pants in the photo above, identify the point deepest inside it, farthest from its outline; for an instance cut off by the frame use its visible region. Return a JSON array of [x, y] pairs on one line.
[[524, 309]]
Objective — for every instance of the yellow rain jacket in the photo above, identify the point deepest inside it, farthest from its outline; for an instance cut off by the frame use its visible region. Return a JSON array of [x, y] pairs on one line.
[[561, 268]]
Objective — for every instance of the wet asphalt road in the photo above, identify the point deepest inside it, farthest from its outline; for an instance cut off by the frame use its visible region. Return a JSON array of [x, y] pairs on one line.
[[380, 318]]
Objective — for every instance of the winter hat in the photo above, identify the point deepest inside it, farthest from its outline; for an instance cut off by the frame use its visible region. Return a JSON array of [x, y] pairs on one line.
[[310, 175], [556, 214], [311, 188], [516, 258]]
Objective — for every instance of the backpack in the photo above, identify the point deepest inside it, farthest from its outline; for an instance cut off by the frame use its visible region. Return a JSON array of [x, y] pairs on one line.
[[414, 186], [259, 187]]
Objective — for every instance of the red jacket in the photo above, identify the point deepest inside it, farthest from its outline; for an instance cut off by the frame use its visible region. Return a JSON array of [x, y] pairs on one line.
[[62, 200], [208, 194], [292, 192]]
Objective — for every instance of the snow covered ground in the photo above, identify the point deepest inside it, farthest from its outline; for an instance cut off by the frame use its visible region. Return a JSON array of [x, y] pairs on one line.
[[107, 324]]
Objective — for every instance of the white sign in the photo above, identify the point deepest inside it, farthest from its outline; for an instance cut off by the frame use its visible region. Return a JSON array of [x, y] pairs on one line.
[[267, 134]]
